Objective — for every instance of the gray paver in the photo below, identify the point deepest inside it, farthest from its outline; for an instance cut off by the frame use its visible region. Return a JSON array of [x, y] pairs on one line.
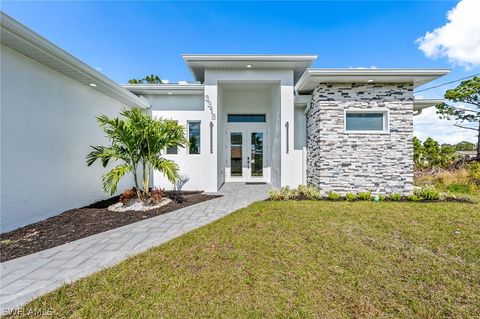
[[28, 277]]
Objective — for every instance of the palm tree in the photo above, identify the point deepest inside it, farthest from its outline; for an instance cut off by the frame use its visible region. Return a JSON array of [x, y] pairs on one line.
[[149, 79], [137, 140]]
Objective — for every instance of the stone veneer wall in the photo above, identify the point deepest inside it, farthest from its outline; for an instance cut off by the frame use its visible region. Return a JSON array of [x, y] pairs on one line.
[[346, 162]]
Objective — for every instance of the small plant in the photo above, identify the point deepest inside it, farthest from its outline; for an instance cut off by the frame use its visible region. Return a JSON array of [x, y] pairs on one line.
[[365, 195], [414, 198], [351, 197], [156, 195], [396, 197], [284, 193], [275, 194], [180, 182], [7, 242], [128, 195], [308, 192], [288, 193], [428, 192], [333, 196]]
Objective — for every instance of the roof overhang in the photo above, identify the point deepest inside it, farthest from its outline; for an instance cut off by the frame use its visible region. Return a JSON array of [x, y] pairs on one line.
[[165, 89], [420, 103], [22, 39], [197, 63], [312, 77]]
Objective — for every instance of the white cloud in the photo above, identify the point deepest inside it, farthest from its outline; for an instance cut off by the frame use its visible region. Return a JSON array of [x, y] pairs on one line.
[[459, 38], [428, 124]]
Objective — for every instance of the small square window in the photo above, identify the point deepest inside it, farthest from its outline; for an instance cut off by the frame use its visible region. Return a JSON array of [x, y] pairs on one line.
[[366, 121], [194, 137]]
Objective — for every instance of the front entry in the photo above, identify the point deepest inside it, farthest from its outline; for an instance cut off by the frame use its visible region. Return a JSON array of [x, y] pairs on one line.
[[247, 159]]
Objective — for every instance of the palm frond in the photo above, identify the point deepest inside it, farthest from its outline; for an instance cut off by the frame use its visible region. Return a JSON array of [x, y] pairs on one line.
[[167, 167], [111, 179]]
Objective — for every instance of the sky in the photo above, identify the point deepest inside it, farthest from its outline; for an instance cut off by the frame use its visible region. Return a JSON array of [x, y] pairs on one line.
[[125, 40]]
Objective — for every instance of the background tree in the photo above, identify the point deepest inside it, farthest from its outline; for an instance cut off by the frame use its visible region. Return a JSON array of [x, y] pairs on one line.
[[431, 154], [467, 117], [149, 79], [137, 142], [465, 146]]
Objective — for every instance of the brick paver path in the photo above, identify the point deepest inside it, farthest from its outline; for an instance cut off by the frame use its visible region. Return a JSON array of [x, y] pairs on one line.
[[27, 277]]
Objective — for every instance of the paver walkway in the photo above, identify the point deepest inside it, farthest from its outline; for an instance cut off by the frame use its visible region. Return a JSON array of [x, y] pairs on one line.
[[27, 277]]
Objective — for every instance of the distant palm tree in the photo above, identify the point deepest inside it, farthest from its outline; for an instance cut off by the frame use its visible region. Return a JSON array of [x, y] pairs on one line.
[[149, 79], [137, 140]]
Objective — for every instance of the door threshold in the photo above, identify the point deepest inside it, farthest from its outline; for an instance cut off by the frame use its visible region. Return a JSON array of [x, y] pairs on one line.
[[255, 183]]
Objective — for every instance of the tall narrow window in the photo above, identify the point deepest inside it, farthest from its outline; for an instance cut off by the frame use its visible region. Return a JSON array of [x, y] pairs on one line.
[[194, 137]]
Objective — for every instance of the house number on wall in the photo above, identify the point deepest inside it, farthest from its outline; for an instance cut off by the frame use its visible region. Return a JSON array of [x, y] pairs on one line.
[[209, 105]]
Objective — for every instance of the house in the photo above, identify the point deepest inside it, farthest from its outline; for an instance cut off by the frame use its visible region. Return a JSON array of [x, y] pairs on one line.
[[249, 118], [274, 119]]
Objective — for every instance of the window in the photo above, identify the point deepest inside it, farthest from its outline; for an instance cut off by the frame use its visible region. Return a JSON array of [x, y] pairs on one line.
[[248, 118], [172, 149], [366, 121], [194, 137]]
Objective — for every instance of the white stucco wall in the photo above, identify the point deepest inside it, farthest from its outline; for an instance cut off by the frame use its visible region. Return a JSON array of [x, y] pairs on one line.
[[299, 146], [201, 168], [285, 96], [220, 140], [275, 129], [47, 125]]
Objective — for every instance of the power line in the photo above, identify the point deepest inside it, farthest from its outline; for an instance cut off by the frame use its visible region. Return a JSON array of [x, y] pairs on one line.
[[436, 86]]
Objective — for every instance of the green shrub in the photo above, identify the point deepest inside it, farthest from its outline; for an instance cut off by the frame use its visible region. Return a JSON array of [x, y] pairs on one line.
[[308, 192], [396, 197], [351, 197], [333, 196], [473, 169], [414, 198], [428, 192], [461, 188], [365, 195], [381, 198]]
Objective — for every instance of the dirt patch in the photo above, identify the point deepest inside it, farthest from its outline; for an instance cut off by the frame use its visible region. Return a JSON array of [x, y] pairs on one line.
[[82, 222]]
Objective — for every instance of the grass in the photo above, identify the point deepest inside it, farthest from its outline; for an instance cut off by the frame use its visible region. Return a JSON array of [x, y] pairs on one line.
[[455, 182], [295, 260]]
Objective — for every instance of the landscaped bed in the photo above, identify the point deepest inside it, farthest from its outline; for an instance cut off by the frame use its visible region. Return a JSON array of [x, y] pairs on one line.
[[297, 259], [82, 222]]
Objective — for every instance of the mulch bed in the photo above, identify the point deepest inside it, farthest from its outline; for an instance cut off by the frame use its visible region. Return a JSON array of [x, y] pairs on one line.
[[82, 222]]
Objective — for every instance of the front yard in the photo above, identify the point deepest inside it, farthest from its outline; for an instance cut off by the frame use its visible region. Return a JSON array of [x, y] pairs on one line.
[[298, 259]]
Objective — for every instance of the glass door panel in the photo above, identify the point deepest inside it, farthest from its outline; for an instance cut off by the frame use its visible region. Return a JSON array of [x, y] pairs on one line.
[[236, 148], [256, 154]]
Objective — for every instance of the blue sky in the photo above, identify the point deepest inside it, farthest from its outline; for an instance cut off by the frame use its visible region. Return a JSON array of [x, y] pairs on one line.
[[131, 39]]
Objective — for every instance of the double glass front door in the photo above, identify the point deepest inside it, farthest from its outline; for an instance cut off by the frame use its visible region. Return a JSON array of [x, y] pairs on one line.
[[246, 155]]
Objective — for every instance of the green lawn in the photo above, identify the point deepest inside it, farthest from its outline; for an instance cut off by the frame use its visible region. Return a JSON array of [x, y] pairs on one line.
[[297, 260]]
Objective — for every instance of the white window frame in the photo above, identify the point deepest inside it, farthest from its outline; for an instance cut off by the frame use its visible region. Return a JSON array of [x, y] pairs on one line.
[[386, 121], [188, 137]]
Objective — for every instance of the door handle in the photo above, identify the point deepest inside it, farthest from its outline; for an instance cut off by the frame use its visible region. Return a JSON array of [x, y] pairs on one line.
[[248, 161]]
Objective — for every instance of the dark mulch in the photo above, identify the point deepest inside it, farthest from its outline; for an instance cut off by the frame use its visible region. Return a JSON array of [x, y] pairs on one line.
[[82, 222]]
